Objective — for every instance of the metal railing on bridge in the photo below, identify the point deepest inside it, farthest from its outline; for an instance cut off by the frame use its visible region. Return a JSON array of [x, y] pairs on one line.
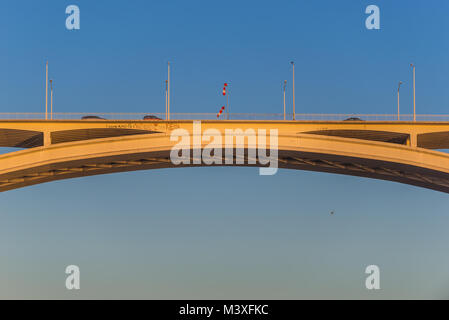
[[231, 116]]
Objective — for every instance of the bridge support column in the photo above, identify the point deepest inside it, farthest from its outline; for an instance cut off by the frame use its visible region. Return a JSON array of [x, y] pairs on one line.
[[412, 140], [47, 138]]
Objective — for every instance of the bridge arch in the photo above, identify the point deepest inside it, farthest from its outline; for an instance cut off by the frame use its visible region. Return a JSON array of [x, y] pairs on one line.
[[364, 158]]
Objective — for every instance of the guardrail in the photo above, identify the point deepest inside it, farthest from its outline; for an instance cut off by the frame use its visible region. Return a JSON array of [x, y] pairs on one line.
[[232, 116]]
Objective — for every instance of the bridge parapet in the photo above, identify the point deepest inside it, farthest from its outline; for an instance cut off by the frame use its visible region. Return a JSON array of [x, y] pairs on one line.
[[231, 116]]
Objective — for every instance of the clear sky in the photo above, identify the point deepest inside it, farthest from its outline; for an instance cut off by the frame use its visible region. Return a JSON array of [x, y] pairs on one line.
[[224, 232]]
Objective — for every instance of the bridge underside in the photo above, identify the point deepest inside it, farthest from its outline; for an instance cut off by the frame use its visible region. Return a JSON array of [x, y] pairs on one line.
[[16, 138]]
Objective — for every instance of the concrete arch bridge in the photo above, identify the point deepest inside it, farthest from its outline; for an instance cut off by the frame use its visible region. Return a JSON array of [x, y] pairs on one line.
[[401, 151]]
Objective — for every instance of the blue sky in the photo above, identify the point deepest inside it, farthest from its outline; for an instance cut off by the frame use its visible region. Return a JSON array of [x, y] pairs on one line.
[[117, 60], [224, 232]]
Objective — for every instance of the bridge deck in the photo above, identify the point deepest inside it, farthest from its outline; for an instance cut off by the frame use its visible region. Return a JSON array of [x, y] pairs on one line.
[[34, 133]]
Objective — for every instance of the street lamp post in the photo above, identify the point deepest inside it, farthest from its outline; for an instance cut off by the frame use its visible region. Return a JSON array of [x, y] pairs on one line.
[[51, 99], [227, 101], [414, 97], [293, 64], [399, 86], [46, 90], [166, 95], [168, 92], [285, 85]]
